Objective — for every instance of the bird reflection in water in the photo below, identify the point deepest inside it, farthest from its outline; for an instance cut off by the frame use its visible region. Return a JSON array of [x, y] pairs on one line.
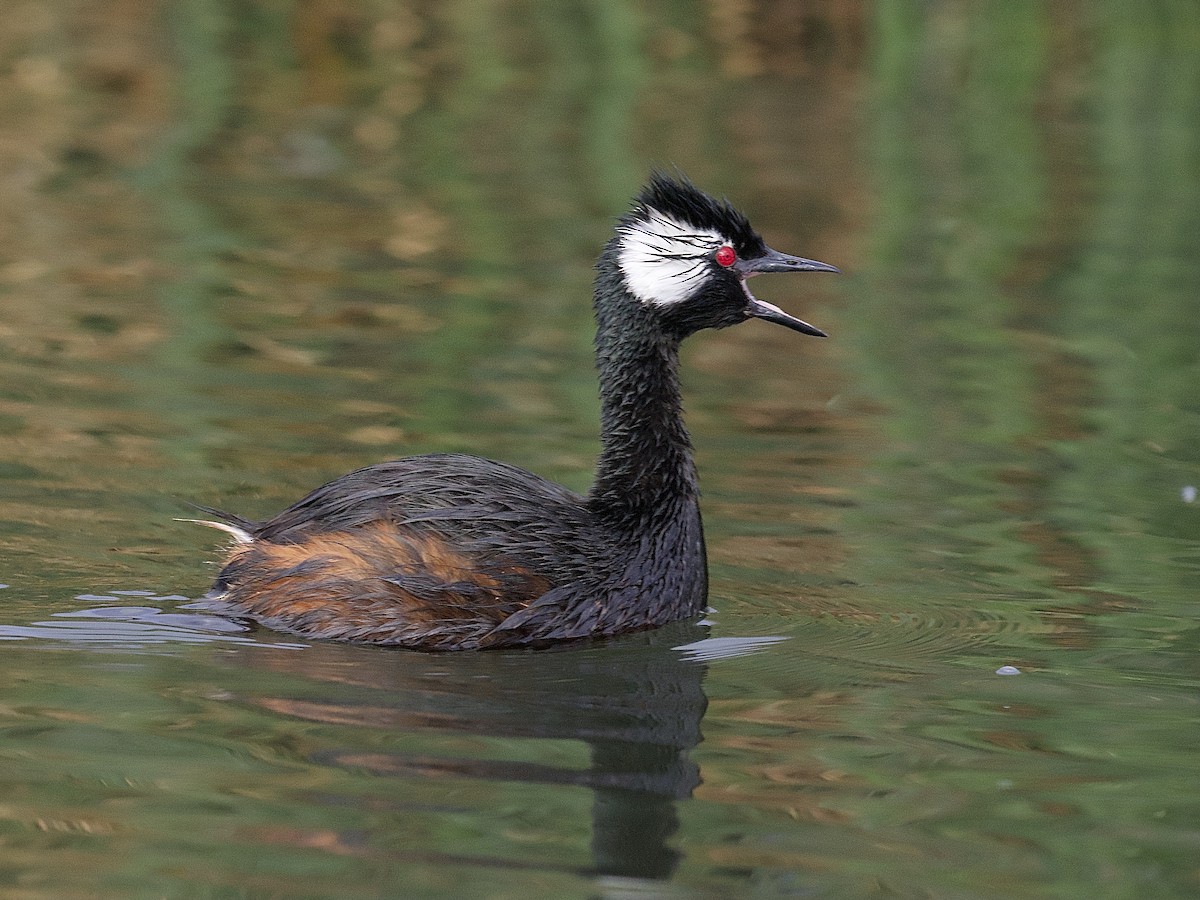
[[636, 702]]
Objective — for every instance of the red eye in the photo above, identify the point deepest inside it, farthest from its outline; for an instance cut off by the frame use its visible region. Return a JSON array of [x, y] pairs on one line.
[[726, 256]]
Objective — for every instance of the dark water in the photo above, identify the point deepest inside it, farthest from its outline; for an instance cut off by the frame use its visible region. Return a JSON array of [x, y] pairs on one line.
[[247, 247]]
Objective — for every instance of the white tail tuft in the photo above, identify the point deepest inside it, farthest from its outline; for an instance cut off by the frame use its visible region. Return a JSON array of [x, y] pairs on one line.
[[239, 534]]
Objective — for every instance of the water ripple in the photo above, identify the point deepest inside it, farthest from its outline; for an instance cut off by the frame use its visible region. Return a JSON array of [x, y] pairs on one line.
[[135, 626], [711, 649]]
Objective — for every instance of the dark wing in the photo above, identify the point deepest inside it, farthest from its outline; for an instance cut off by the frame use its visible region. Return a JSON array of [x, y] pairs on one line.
[[420, 488], [485, 508]]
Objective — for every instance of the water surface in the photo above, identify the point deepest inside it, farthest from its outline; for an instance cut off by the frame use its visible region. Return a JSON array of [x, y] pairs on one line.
[[245, 250]]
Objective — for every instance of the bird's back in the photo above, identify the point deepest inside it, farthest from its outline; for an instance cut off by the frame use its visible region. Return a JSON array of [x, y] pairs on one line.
[[428, 551]]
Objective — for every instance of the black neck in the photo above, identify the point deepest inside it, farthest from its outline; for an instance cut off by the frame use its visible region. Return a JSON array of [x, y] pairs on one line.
[[645, 464]]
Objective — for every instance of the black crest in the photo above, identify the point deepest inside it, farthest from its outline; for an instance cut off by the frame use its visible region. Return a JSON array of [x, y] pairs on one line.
[[679, 198]]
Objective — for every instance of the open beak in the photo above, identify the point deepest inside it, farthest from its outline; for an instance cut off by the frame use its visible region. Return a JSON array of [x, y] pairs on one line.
[[774, 261]]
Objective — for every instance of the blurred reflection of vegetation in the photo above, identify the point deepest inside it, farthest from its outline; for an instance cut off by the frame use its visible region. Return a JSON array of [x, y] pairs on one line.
[[433, 145], [1031, 328], [1129, 299], [196, 244], [1025, 384], [959, 194]]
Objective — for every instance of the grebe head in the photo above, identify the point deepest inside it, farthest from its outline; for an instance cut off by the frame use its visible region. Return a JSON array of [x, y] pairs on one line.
[[688, 256]]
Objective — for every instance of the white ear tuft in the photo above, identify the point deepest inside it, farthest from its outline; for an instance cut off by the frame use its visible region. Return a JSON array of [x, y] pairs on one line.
[[665, 261]]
